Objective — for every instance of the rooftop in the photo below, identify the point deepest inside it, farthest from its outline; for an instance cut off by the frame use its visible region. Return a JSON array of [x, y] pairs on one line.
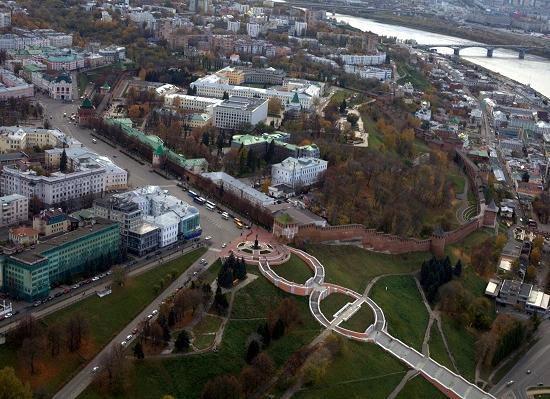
[[39, 252]]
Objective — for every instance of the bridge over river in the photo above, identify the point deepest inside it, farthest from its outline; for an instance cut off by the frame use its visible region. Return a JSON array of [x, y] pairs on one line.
[[522, 50]]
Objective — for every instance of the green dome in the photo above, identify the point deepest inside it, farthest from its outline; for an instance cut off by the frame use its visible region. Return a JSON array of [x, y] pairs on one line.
[[87, 103]]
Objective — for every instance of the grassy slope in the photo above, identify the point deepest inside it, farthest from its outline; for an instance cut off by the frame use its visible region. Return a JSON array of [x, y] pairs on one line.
[[184, 377], [364, 371], [462, 345], [437, 348], [353, 267], [418, 387], [106, 316], [333, 303], [402, 304], [360, 320], [294, 270]]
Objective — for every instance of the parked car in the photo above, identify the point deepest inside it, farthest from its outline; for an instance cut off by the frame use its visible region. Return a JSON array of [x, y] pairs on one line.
[[123, 343], [95, 369], [155, 312], [224, 245], [129, 337]]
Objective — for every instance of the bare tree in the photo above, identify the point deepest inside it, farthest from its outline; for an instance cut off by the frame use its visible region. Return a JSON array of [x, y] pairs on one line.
[[77, 328], [54, 339], [30, 351]]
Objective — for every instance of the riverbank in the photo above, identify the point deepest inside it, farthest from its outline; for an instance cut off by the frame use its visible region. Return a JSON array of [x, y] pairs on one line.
[[473, 33]]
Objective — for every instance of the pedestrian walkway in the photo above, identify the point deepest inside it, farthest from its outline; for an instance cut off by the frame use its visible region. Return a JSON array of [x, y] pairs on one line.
[[450, 383]]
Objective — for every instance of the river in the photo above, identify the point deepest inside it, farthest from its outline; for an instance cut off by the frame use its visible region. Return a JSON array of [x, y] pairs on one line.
[[533, 70]]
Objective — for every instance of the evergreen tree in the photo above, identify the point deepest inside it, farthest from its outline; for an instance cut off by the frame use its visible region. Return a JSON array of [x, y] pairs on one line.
[[457, 271], [251, 161], [278, 330], [138, 351], [269, 154], [240, 269], [343, 106], [225, 96], [264, 332], [220, 301], [252, 351], [182, 341], [63, 162]]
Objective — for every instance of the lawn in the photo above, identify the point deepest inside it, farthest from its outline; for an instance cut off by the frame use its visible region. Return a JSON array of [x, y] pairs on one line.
[[205, 331], [376, 139], [418, 387], [184, 377], [354, 267], [409, 74], [462, 344], [457, 179], [363, 371], [333, 303], [295, 270], [360, 320], [437, 348], [402, 304], [105, 316]]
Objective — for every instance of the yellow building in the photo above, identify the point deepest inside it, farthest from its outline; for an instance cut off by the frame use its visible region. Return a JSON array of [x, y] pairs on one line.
[[50, 222], [13, 138], [235, 76]]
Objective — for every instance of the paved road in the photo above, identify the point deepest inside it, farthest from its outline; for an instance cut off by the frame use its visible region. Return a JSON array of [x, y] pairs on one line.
[[537, 359], [79, 382]]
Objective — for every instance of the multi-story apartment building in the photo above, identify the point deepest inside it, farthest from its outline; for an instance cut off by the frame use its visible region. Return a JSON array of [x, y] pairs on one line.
[[51, 222], [239, 75], [298, 172], [64, 62], [363, 59], [381, 74], [5, 19], [55, 188], [14, 138], [81, 158], [21, 38], [30, 274], [14, 209], [233, 26], [192, 103], [113, 53], [253, 30], [237, 112], [239, 188], [13, 86], [216, 86]]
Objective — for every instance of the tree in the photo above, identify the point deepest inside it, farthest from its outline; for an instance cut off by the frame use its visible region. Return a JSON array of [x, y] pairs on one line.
[[278, 329], [252, 351], [274, 106], [114, 371], [77, 329], [119, 275], [531, 274], [525, 177], [11, 387], [535, 256], [54, 339], [225, 96], [182, 341], [30, 351], [343, 106], [457, 271], [138, 351], [220, 301], [352, 118], [316, 367], [222, 387], [63, 162]]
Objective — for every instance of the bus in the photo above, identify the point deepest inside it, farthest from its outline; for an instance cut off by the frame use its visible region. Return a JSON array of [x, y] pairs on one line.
[[199, 200], [192, 194], [209, 206]]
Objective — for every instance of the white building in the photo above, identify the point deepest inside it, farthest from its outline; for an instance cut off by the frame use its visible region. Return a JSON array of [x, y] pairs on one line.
[[298, 172], [174, 217], [253, 30], [239, 188], [58, 87], [5, 19], [113, 53], [52, 189], [233, 26], [81, 158], [237, 112], [366, 59], [192, 103], [381, 74], [300, 28], [14, 209], [216, 86], [13, 86]]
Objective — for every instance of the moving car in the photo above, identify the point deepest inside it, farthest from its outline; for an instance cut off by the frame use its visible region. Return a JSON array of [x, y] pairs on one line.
[[95, 369], [224, 245]]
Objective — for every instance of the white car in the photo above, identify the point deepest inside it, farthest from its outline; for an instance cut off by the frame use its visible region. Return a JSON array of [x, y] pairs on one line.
[[203, 261], [95, 369], [95, 278], [128, 337], [8, 315], [224, 245], [123, 343], [155, 312], [207, 238], [149, 317]]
